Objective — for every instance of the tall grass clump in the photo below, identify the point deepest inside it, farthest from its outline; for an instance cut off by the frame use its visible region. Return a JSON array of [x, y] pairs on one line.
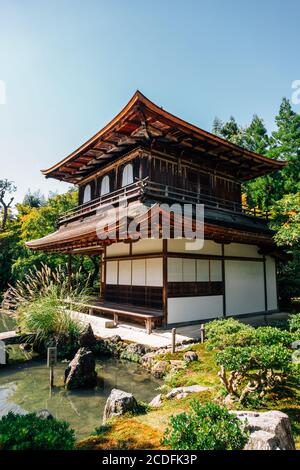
[[39, 304]]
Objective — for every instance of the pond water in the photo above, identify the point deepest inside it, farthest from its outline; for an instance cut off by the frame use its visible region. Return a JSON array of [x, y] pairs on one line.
[[25, 388]]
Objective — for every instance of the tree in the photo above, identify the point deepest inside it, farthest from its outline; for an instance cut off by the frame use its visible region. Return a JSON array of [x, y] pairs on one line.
[[6, 188], [35, 199]]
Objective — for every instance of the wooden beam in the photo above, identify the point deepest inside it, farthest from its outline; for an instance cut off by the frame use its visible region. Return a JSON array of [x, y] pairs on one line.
[[165, 282]]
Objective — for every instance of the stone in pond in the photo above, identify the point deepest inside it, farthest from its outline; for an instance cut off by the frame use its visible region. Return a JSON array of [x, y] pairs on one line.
[[87, 338], [118, 403], [81, 372], [160, 369]]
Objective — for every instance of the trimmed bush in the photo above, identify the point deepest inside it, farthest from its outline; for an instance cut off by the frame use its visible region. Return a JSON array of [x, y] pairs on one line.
[[230, 332], [205, 427], [28, 432], [294, 323]]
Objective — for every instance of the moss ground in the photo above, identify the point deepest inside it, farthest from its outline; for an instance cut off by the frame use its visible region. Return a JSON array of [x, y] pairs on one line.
[[146, 431]]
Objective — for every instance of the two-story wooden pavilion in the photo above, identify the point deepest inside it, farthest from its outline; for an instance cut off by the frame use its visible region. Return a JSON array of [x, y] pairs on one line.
[[148, 156]]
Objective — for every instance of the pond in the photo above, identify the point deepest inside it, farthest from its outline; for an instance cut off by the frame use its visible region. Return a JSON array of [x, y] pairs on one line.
[[25, 388]]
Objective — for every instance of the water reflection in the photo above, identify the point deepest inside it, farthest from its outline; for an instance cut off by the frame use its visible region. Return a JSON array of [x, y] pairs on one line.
[[26, 388]]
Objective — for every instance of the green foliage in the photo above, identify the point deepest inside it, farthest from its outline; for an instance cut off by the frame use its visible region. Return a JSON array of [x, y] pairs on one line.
[[28, 432], [294, 323], [205, 427], [286, 220], [223, 333]]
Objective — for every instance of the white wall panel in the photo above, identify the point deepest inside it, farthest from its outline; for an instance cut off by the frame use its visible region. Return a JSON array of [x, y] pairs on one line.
[[112, 272], [239, 249], [125, 272], [139, 272], [175, 271], [244, 284], [180, 246], [189, 270], [215, 270], [185, 309], [154, 272], [147, 246], [117, 249], [271, 283], [202, 270]]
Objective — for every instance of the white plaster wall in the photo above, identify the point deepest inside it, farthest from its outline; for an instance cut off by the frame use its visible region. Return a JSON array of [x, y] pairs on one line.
[[202, 270], [271, 283], [147, 246], [189, 270], [125, 272], [215, 270], [244, 286], [117, 249], [112, 272], [209, 248], [175, 270], [185, 309], [154, 275], [139, 272], [239, 249]]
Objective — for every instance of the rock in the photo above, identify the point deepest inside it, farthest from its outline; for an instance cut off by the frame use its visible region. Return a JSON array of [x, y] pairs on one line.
[[118, 403], [156, 402], [159, 369], [110, 324], [44, 414], [190, 356], [177, 364], [87, 338], [139, 349], [81, 371], [268, 431], [182, 392], [115, 339], [148, 359]]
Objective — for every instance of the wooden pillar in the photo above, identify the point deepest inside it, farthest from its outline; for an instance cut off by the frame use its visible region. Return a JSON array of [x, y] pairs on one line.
[[103, 274], [265, 284], [165, 282], [223, 280], [69, 272]]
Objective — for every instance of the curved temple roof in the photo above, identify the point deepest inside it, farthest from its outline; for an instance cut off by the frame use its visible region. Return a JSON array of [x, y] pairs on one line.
[[141, 122]]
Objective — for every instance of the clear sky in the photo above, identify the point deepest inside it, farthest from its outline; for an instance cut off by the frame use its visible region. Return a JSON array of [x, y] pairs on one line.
[[69, 66]]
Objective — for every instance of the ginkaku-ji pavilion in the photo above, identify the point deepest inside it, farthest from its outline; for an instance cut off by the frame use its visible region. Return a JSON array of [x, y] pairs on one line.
[[147, 157]]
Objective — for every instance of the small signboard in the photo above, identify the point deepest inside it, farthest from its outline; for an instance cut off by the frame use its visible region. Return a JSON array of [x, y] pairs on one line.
[[51, 356]]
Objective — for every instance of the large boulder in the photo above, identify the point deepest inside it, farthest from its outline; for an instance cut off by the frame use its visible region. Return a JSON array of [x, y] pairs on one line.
[[119, 403], [160, 369], [87, 338], [81, 372], [268, 431], [182, 392], [135, 351], [190, 356]]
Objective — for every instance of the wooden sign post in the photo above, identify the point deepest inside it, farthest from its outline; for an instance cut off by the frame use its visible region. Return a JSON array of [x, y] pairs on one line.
[[173, 340], [51, 362]]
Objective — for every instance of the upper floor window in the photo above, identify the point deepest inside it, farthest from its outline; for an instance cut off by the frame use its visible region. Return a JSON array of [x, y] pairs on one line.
[[127, 175], [105, 189], [87, 196]]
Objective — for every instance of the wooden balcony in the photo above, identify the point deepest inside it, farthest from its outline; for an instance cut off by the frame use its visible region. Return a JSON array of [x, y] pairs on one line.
[[153, 191]]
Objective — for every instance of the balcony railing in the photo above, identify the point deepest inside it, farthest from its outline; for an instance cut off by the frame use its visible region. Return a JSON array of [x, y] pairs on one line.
[[146, 189]]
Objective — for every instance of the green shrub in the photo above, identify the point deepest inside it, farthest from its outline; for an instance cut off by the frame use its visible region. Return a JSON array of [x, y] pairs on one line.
[[28, 432], [253, 369], [268, 335], [205, 427], [229, 332], [294, 323]]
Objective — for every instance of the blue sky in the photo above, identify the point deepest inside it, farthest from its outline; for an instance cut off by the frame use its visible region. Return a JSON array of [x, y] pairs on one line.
[[69, 66]]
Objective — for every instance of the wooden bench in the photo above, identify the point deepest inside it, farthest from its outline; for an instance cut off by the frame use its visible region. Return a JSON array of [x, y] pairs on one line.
[[116, 312]]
